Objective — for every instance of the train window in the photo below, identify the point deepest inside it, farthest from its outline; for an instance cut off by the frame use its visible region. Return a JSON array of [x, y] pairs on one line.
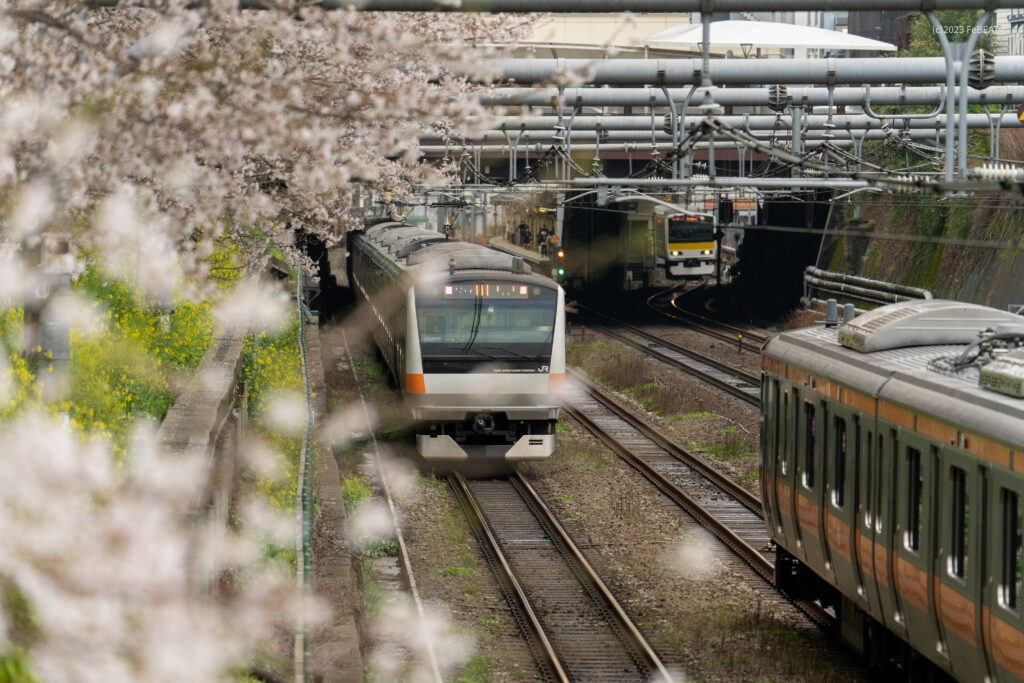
[[809, 428], [915, 502], [784, 436], [961, 517], [1013, 551], [869, 479], [839, 471], [879, 456]]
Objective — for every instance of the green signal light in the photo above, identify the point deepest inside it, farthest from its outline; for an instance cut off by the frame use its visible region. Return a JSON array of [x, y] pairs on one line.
[[561, 271]]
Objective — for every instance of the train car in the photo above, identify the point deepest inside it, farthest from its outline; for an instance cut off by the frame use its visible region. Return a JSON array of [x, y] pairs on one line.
[[688, 244], [892, 456], [474, 340]]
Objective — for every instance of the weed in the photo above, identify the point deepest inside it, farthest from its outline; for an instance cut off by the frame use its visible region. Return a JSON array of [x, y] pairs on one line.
[[693, 416], [371, 593], [431, 483], [562, 427], [732, 449], [369, 371], [571, 519], [354, 491], [564, 499], [458, 571], [493, 624], [378, 547], [591, 468], [15, 667], [729, 430], [476, 670]]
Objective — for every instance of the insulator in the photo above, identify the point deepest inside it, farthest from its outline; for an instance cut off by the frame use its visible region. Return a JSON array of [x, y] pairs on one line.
[[981, 72], [1000, 172], [778, 97]]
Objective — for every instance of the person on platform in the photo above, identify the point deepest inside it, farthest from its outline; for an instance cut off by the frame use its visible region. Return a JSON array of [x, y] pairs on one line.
[[542, 241]]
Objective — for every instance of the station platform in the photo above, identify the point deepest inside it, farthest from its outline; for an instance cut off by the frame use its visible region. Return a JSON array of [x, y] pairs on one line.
[[540, 264]]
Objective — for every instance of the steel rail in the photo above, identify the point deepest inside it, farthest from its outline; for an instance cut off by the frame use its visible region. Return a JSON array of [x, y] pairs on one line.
[[508, 578], [582, 571], [747, 499], [761, 565], [652, 659], [751, 341], [717, 382], [758, 562]]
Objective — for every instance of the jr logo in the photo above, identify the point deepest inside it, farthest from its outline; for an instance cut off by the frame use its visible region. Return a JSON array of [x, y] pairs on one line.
[[544, 368]]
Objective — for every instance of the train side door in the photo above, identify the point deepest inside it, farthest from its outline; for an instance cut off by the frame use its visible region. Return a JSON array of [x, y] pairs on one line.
[[809, 478], [785, 463], [1003, 614], [770, 420], [887, 436], [913, 556], [839, 496], [960, 563], [868, 486]]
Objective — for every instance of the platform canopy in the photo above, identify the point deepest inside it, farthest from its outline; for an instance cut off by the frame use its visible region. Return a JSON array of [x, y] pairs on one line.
[[747, 35]]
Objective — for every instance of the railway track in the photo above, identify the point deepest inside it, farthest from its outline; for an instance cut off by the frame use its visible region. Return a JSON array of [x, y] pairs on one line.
[[738, 383], [750, 341], [717, 503], [573, 625]]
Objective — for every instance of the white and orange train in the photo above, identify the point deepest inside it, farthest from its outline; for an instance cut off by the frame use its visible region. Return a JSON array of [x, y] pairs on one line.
[[474, 340], [893, 481]]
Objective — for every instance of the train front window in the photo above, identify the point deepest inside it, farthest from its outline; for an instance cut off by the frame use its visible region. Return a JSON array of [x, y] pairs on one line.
[[486, 320], [690, 229]]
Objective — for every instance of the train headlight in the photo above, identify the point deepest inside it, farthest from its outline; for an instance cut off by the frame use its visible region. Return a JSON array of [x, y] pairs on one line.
[[675, 253], [706, 252]]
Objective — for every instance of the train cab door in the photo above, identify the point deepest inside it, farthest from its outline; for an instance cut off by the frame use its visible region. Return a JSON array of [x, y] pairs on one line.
[[888, 437], [914, 542], [960, 563], [811, 437]]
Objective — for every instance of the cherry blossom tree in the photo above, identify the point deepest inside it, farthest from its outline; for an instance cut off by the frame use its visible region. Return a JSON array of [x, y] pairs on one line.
[[136, 136]]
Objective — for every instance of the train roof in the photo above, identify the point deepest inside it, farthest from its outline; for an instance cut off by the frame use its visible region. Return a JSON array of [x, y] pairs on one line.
[[418, 249], [916, 375]]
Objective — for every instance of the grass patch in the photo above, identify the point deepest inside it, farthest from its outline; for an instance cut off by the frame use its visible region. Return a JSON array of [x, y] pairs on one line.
[[591, 468], [370, 371], [564, 499], [492, 624], [693, 416], [459, 571], [732, 449], [627, 371], [378, 547], [562, 427], [476, 670]]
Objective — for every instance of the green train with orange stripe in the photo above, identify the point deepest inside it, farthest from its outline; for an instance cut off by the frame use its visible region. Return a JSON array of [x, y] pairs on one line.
[[892, 463]]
